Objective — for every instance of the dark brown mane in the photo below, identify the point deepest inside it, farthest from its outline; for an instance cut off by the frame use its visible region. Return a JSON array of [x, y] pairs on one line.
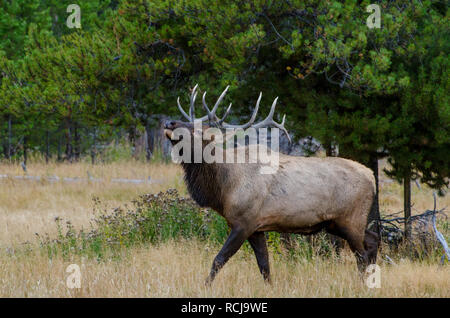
[[204, 183]]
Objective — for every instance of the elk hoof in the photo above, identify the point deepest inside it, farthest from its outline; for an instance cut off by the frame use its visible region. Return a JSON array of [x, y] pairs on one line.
[[208, 281]]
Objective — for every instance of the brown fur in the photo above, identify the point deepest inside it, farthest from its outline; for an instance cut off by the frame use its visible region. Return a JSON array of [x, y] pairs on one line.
[[304, 196]]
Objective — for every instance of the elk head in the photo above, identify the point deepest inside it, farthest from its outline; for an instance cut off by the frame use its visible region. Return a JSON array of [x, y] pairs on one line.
[[198, 126]]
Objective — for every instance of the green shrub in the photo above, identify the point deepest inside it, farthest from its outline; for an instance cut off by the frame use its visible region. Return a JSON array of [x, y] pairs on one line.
[[153, 218], [157, 218]]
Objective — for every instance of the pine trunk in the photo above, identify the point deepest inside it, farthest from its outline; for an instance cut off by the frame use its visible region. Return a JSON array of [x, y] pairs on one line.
[[328, 149], [8, 149], [94, 147], [59, 147], [77, 142], [69, 152], [407, 205], [336, 241], [47, 147], [132, 138], [149, 142], [25, 150], [374, 214]]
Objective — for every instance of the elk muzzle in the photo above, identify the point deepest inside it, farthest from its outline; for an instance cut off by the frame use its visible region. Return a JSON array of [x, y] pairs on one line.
[[169, 126]]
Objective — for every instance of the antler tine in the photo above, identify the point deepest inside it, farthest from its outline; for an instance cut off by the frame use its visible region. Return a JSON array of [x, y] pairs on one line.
[[219, 100], [182, 110], [210, 115], [250, 122], [225, 115], [281, 126], [192, 107], [270, 122], [269, 119]]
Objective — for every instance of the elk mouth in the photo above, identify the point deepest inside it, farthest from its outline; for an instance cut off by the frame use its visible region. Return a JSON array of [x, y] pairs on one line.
[[168, 133]]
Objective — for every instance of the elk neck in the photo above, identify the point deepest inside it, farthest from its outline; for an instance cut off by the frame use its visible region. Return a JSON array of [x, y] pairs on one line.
[[205, 182]]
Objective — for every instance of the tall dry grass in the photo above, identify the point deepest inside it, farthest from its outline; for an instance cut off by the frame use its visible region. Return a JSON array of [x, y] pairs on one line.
[[176, 268], [28, 207]]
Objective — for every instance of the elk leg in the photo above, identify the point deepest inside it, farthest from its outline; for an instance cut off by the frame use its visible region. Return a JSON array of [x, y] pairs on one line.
[[258, 242], [355, 242], [371, 244], [231, 246], [357, 247]]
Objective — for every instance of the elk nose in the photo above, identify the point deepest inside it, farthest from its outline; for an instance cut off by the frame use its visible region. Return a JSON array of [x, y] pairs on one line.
[[170, 124]]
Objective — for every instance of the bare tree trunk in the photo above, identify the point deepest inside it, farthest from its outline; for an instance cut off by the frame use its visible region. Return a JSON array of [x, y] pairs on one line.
[[374, 214], [8, 147], [407, 205], [335, 241], [59, 147], [132, 138], [117, 138], [149, 143], [69, 151], [25, 150], [329, 149], [8, 144], [77, 142], [47, 146], [94, 147]]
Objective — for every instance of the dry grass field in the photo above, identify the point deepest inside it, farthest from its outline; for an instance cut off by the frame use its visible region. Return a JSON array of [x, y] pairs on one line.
[[175, 268]]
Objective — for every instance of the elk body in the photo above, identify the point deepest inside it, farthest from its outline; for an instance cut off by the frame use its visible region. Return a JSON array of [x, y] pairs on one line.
[[305, 195]]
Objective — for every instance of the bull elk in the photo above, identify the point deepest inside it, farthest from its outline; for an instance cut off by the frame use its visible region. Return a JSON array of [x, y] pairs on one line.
[[305, 194]]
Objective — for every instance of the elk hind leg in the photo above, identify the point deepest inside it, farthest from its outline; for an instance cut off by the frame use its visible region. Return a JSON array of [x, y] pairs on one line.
[[258, 243], [371, 244], [355, 240]]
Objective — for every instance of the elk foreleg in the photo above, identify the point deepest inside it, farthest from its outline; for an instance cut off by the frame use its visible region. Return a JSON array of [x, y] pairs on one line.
[[258, 242], [234, 241]]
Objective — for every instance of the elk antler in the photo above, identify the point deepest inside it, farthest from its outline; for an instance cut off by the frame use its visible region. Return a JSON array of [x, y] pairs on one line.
[[220, 122], [191, 116]]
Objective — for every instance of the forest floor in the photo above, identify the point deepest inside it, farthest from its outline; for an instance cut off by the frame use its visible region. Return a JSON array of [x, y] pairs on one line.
[[175, 268]]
